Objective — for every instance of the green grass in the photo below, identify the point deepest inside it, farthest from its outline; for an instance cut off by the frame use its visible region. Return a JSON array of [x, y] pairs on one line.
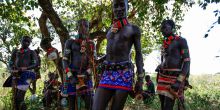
[[205, 95]]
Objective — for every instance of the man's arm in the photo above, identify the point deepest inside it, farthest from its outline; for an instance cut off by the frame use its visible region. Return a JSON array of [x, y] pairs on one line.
[[138, 53], [185, 59], [66, 63], [34, 61], [12, 60], [185, 65], [67, 55], [138, 60]]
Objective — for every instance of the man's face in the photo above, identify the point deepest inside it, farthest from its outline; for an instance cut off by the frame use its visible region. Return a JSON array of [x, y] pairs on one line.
[[147, 79], [51, 76], [25, 43], [166, 29], [45, 47], [120, 8], [83, 28]]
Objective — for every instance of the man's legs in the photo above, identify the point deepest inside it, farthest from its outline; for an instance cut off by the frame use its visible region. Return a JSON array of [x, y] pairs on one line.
[[19, 100], [166, 103], [161, 101], [87, 98], [119, 100], [47, 100], [71, 102], [101, 98]]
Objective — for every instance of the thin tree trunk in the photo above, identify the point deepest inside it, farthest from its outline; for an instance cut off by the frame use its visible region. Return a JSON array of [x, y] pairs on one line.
[[55, 20], [43, 25]]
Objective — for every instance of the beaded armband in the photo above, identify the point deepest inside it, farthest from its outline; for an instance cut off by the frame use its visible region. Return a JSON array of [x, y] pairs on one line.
[[184, 51]]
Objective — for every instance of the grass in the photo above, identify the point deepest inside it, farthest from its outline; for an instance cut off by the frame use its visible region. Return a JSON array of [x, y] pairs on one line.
[[205, 95]]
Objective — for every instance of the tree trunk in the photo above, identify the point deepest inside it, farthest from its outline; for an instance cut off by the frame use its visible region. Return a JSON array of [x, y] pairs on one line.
[[43, 25], [55, 20]]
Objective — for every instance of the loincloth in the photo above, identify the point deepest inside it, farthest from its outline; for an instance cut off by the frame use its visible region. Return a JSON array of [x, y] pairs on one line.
[[165, 80], [71, 87]]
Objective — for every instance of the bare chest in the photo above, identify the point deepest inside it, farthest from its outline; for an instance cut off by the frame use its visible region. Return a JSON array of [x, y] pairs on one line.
[[172, 50], [123, 35]]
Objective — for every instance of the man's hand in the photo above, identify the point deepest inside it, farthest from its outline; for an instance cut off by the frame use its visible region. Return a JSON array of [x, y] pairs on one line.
[[64, 94], [138, 87], [139, 90], [175, 87], [89, 71]]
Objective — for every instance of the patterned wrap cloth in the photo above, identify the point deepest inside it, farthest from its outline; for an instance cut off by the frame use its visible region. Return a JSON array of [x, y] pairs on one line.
[[118, 76], [165, 80], [25, 75], [23, 80]]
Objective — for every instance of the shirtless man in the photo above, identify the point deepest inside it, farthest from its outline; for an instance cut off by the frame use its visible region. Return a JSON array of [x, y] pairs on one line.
[[77, 62], [21, 64], [117, 77], [174, 67]]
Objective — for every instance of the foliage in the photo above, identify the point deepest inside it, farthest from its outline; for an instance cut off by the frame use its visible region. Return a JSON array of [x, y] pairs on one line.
[[203, 5], [146, 14], [205, 95], [15, 24]]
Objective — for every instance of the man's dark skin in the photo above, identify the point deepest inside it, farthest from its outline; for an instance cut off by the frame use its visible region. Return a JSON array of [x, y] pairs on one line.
[[77, 63], [175, 64], [47, 47], [119, 44], [37, 72], [22, 60], [51, 91]]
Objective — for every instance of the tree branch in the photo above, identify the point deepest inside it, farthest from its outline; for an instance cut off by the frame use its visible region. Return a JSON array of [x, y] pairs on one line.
[[55, 20], [133, 12], [43, 25], [97, 35], [100, 36]]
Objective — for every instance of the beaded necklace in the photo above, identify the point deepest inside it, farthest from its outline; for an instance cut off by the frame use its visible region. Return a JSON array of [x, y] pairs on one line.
[[118, 24]]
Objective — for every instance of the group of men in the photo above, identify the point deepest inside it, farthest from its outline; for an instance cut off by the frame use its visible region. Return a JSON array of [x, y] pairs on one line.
[[117, 77]]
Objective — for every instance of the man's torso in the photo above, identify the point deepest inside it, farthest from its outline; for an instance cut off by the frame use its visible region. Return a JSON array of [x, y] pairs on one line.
[[24, 58], [119, 44], [172, 55]]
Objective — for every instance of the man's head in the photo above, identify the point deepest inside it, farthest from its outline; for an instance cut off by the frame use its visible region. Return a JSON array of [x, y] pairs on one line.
[[52, 76], [45, 43], [25, 41], [120, 8], [83, 28], [167, 27], [147, 78]]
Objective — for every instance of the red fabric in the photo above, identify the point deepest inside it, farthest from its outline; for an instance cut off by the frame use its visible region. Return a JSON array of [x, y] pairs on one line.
[[22, 50], [67, 70], [115, 87], [50, 50], [166, 79], [162, 88], [183, 51]]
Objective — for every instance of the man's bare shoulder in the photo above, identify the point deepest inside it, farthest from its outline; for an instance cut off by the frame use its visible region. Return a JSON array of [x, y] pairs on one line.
[[136, 29]]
